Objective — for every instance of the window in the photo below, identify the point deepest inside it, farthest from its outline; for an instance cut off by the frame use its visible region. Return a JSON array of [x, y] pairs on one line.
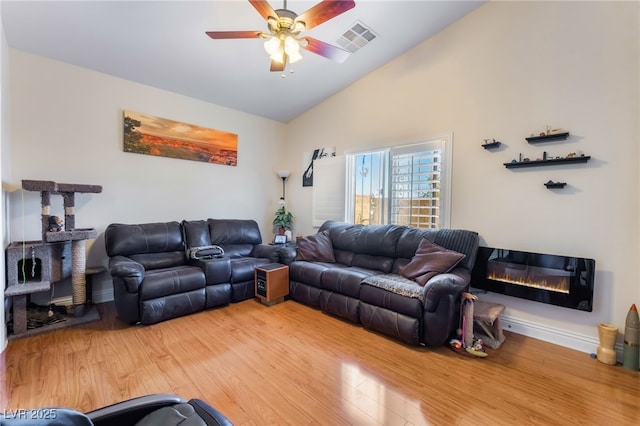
[[405, 185]]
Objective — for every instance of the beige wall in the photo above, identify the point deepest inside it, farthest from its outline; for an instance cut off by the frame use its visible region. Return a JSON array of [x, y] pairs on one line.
[[67, 127], [504, 71]]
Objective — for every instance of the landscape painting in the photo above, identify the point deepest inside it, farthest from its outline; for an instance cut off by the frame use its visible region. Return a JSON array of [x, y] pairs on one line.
[[146, 134]]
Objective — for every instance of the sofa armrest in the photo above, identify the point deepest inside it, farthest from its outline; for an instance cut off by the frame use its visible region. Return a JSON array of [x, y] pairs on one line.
[[131, 411], [216, 270], [288, 254], [452, 283], [130, 272], [271, 252], [442, 305], [209, 414]]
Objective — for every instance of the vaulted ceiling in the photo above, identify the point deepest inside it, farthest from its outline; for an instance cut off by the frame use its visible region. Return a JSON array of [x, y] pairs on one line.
[[163, 44]]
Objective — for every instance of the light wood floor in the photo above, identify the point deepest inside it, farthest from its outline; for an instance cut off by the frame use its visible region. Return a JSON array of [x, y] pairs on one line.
[[292, 364]]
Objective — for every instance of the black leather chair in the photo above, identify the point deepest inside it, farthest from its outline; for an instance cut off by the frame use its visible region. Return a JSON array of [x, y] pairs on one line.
[[164, 409], [152, 280], [150, 410]]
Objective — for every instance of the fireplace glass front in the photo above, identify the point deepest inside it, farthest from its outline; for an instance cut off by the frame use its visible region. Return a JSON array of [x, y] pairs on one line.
[[546, 278]]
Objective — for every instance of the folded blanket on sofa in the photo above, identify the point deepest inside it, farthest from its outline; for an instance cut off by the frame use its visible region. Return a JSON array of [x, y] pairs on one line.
[[398, 284], [205, 252]]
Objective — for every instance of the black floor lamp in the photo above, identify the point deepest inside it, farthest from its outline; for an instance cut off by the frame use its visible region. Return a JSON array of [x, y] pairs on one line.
[[284, 174]]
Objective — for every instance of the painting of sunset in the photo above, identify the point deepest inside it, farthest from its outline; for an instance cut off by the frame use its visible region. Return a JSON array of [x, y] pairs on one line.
[[146, 134]]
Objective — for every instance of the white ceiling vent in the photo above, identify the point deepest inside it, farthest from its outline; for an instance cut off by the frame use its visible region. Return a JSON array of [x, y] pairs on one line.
[[356, 37]]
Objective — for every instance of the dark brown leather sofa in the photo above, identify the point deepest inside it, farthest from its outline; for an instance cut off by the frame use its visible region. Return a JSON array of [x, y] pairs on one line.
[[154, 280], [365, 284]]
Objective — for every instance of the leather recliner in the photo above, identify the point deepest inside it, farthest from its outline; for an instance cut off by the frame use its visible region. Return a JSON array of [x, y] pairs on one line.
[[154, 280], [150, 410]]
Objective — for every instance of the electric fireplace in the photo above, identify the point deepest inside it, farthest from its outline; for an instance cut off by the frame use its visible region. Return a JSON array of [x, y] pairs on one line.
[[546, 278]]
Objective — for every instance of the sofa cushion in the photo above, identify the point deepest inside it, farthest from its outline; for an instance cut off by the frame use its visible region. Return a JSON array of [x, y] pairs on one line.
[[380, 297], [345, 281], [430, 260], [310, 273], [160, 260], [238, 250], [349, 240], [125, 240], [196, 233], [225, 232], [391, 300], [379, 240], [243, 268], [315, 248], [460, 240], [377, 263]]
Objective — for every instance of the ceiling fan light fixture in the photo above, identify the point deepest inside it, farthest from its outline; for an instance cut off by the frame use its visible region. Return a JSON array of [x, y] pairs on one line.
[[278, 56], [294, 57], [292, 49], [291, 45], [273, 46]]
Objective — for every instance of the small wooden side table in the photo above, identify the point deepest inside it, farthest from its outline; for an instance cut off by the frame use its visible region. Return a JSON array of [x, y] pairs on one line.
[[272, 283]]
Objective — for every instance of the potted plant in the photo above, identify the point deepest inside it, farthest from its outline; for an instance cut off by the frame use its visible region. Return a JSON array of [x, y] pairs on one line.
[[283, 220]]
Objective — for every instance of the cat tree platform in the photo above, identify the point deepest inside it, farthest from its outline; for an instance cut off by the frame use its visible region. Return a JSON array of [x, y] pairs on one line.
[[34, 266]]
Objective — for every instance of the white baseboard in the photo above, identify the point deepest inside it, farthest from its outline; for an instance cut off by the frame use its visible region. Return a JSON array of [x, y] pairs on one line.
[[557, 336]]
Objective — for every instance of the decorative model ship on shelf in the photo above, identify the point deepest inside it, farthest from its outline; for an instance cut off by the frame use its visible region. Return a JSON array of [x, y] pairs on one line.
[[490, 143], [551, 184], [548, 135], [546, 159]]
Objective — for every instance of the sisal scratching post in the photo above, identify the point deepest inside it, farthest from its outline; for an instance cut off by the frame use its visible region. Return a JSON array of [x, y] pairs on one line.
[[467, 323], [78, 278]]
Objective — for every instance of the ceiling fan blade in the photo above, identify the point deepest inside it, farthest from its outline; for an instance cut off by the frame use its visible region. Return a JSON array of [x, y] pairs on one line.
[[277, 66], [263, 8], [324, 11], [233, 34], [325, 49]]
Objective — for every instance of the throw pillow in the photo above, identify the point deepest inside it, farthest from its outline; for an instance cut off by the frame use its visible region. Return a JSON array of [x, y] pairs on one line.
[[315, 248], [430, 260]]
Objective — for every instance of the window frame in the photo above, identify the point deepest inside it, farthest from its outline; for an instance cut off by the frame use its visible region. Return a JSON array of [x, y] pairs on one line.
[[444, 142]]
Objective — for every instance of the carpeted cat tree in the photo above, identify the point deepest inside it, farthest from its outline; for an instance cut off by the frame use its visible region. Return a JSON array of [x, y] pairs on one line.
[[32, 266]]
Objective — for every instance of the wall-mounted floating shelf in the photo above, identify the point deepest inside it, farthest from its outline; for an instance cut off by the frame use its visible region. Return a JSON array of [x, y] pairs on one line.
[[490, 145], [551, 184], [549, 162], [548, 138]]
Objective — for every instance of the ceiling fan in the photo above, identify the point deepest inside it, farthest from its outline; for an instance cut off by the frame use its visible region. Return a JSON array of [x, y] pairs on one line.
[[283, 41]]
